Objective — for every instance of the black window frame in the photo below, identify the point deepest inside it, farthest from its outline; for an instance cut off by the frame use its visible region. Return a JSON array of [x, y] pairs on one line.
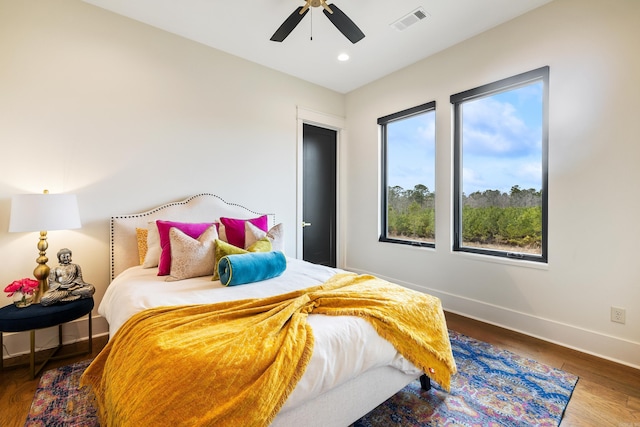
[[382, 123], [510, 83]]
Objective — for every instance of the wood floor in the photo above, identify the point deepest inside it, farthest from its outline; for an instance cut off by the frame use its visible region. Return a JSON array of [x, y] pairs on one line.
[[607, 394]]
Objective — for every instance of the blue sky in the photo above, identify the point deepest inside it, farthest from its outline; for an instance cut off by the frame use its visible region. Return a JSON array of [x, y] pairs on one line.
[[501, 139], [411, 151]]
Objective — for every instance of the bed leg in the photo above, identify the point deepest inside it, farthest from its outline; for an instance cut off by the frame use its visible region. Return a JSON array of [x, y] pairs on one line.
[[425, 383]]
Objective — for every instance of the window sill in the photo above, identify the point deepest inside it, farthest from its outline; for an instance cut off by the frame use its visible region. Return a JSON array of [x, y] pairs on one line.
[[504, 261]]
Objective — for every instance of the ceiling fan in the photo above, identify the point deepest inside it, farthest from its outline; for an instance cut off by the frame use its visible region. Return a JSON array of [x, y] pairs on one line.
[[335, 15]]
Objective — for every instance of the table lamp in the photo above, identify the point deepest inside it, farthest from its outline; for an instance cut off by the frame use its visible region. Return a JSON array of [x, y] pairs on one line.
[[43, 212]]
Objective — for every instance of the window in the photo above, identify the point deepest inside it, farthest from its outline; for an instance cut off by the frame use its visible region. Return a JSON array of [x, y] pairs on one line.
[[500, 168], [408, 176]]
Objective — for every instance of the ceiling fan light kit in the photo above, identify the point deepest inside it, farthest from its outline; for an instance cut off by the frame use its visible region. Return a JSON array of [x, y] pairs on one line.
[[337, 17]]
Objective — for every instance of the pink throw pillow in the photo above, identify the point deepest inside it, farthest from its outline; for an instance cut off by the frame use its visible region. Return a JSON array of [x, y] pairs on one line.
[[234, 228], [193, 230]]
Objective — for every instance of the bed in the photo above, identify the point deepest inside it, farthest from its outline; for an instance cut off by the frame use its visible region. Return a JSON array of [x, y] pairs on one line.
[[357, 367]]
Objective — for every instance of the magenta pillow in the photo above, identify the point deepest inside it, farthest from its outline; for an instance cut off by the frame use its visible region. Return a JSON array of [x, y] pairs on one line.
[[193, 230], [234, 228]]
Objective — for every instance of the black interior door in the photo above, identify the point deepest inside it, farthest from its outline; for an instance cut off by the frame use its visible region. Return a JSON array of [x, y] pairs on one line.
[[319, 195]]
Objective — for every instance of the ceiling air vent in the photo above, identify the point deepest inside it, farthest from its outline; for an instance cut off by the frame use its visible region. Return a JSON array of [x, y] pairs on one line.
[[409, 19]]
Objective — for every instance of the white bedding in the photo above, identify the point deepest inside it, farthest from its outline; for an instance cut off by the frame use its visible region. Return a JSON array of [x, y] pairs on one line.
[[344, 347]]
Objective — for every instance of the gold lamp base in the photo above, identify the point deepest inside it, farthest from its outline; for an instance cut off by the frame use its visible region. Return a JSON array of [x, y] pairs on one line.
[[41, 272]]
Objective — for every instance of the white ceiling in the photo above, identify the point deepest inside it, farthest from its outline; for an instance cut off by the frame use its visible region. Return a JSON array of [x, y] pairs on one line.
[[243, 28]]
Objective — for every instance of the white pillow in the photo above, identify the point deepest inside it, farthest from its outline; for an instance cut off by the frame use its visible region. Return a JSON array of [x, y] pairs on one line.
[[192, 257], [153, 246], [275, 236]]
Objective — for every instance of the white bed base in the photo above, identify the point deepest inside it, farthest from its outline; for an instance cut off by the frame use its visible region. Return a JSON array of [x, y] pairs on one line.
[[347, 403], [339, 407]]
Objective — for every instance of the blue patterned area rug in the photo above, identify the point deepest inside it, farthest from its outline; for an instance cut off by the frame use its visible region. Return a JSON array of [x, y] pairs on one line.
[[60, 402], [493, 387]]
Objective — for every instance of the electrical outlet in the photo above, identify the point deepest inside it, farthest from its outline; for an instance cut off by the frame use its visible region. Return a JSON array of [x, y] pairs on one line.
[[618, 315]]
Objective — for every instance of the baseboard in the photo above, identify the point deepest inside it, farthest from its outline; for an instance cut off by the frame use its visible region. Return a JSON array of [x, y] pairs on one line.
[[595, 343], [17, 343]]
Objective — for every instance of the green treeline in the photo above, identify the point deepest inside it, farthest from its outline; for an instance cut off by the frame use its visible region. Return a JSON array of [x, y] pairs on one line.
[[488, 217], [411, 213]]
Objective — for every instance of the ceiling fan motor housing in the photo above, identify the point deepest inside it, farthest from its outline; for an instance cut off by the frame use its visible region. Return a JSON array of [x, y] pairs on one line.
[[341, 21]]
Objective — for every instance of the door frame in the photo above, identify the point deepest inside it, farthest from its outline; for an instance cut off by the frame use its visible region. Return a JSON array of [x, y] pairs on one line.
[[327, 121]]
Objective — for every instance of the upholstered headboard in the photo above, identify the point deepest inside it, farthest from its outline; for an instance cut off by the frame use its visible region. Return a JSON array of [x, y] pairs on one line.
[[199, 208]]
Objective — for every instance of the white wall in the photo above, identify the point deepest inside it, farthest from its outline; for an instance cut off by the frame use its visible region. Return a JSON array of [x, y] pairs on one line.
[[127, 116], [591, 47]]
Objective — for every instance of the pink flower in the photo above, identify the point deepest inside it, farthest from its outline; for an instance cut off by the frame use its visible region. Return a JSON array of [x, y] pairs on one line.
[[26, 286]]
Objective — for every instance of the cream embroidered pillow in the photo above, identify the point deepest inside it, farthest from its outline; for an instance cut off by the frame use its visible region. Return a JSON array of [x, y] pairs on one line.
[[192, 257], [275, 235]]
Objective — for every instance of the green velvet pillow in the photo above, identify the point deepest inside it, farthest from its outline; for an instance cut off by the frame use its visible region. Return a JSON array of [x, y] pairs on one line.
[[224, 249]]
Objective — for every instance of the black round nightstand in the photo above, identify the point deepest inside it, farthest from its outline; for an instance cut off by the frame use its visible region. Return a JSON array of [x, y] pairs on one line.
[[36, 316]]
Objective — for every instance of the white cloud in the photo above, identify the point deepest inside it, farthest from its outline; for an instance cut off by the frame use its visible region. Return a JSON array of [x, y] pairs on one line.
[[502, 141], [496, 127]]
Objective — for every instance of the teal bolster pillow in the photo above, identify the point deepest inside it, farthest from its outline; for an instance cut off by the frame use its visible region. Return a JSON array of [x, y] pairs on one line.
[[251, 267]]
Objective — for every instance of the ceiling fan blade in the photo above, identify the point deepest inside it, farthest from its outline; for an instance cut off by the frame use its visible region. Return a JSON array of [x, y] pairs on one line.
[[289, 24], [344, 24]]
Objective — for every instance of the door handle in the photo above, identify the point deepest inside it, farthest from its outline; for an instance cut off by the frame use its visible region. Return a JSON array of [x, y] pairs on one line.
[[306, 224]]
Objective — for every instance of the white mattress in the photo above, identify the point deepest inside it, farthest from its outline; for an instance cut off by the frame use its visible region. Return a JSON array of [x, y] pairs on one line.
[[345, 346]]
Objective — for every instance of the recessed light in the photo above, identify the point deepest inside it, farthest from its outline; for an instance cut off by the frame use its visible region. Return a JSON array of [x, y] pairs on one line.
[[343, 57]]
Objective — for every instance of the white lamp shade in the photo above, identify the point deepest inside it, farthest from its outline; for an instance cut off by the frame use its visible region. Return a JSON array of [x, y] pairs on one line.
[[44, 212]]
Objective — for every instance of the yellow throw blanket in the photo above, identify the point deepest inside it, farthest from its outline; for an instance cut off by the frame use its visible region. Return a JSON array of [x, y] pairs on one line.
[[235, 363]]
